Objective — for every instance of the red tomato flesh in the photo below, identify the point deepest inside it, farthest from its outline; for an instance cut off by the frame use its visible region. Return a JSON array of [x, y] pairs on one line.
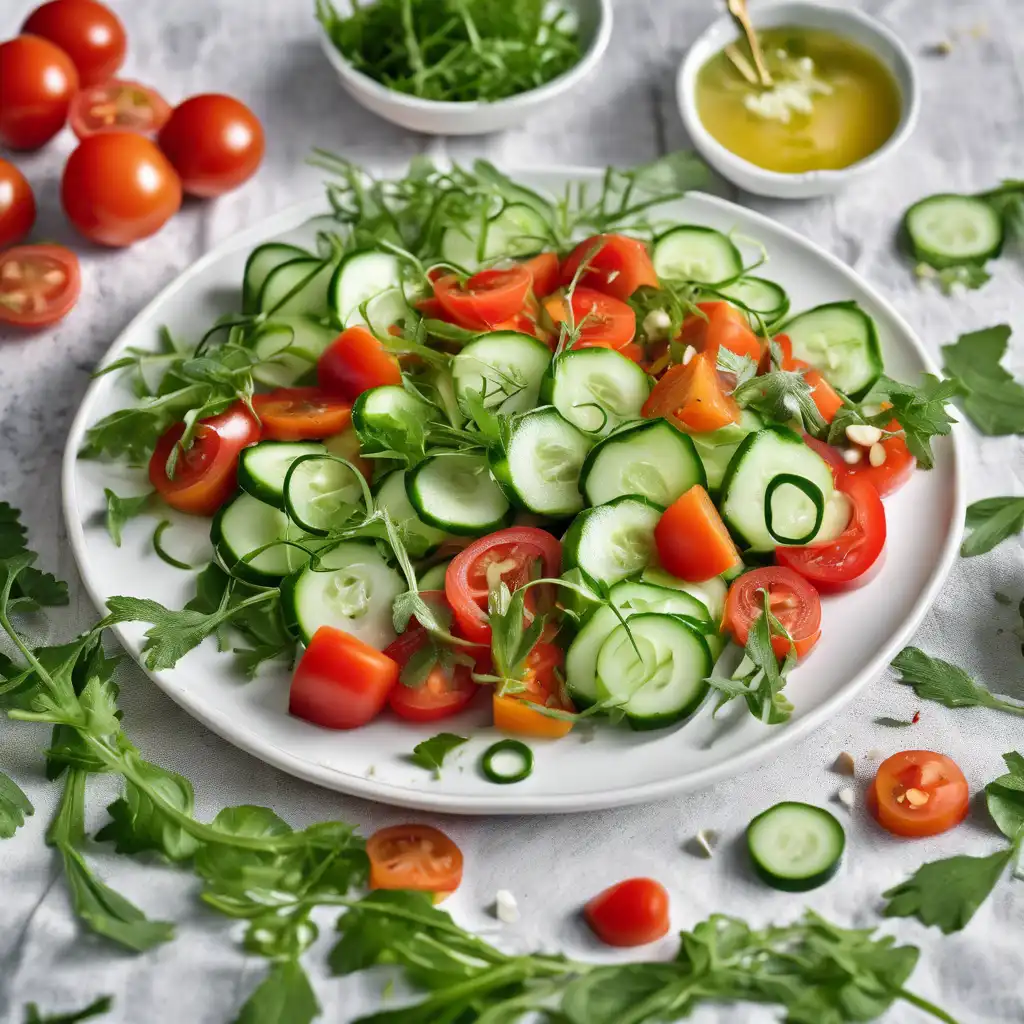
[[543, 269], [485, 299], [793, 601], [39, 284], [603, 321], [693, 542], [17, 205], [632, 913], [301, 414], [443, 693], [87, 31], [918, 793], [118, 105], [355, 362], [892, 474], [616, 265], [721, 326]]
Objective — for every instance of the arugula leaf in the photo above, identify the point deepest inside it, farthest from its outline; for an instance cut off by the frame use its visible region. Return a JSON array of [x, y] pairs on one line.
[[14, 807], [285, 996], [993, 400], [95, 1009], [991, 521], [430, 754], [946, 684], [120, 510]]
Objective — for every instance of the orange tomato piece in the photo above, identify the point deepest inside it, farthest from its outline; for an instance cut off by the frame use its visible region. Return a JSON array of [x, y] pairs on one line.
[[543, 269], [721, 326], [918, 793], [516, 715], [414, 857], [693, 542], [693, 395], [826, 398]]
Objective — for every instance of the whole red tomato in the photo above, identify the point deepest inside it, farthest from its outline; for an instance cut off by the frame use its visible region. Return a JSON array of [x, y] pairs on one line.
[[17, 205], [118, 187], [214, 142], [37, 81], [87, 31]]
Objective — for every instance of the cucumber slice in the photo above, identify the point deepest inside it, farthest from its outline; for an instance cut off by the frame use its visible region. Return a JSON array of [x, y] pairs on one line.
[[297, 288], [321, 493], [246, 525], [518, 230], [505, 366], [581, 657], [633, 597], [539, 468], [795, 846], [951, 230], [389, 417], [596, 389], [383, 311], [455, 493], [752, 488], [711, 593], [261, 262], [653, 459], [419, 539], [763, 297], [360, 276], [262, 468], [666, 683], [840, 340], [353, 589], [612, 542], [717, 447], [291, 346], [434, 577], [693, 253]]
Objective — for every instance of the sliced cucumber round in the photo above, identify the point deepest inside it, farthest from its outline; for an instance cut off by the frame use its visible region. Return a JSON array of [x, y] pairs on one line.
[[633, 597], [289, 348], [419, 539], [321, 494], [693, 253], [385, 310], [517, 230], [653, 459], [612, 542], [434, 577], [951, 230], [261, 262], [456, 493], [505, 367], [353, 588], [840, 340], [263, 467], [297, 288], [717, 447], [795, 846], [581, 657], [389, 417], [246, 525], [360, 276], [760, 296], [711, 593]]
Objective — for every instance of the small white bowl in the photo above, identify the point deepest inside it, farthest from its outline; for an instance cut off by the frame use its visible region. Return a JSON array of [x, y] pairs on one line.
[[435, 117], [843, 21]]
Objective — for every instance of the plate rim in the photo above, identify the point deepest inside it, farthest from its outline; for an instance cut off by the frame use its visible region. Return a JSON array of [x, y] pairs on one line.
[[379, 791]]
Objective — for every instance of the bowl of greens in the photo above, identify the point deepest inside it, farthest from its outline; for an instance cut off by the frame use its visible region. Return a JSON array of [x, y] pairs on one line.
[[462, 67]]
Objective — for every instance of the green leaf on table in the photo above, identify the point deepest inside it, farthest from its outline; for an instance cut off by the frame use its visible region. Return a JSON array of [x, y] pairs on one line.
[[430, 754], [1008, 199], [68, 825], [1005, 798], [14, 807], [97, 1008], [937, 680], [120, 510], [893, 723], [31, 588], [284, 996], [993, 399], [991, 521]]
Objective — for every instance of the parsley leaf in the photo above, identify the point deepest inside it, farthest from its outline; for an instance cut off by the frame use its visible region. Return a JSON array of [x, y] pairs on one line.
[[993, 400], [14, 807], [946, 684], [1005, 798], [120, 510], [991, 521], [430, 754], [921, 412], [94, 1009], [30, 588], [783, 396], [285, 996]]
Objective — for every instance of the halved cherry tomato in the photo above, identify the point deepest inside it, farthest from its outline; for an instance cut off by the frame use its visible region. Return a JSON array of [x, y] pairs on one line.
[[692, 393], [341, 682], [414, 857], [543, 269], [918, 793], [39, 284], [831, 455], [17, 205], [892, 474], [826, 398], [793, 601], [619, 266], [693, 542], [301, 414], [515, 714], [507, 556], [355, 362], [443, 693], [604, 321], [118, 105], [205, 474], [87, 31], [838, 562], [487, 298], [37, 81], [631, 913], [721, 326]]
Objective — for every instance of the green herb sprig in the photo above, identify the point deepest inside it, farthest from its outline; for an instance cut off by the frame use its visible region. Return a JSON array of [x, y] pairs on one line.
[[946, 684], [990, 522], [992, 399]]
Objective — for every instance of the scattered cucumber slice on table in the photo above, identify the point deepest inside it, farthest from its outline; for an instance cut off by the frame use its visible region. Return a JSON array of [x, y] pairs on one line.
[[433, 578], [245, 525], [292, 345], [297, 288], [693, 253], [795, 846], [951, 230], [613, 541], [717, 447], [263, 467], [420, 539], [360, 276], [518, 230], [764, 297], [840, 340], [455, 493], [505, 366], [261, 262], [321, 493]]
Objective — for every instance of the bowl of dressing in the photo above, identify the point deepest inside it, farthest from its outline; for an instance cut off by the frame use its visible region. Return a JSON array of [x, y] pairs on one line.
[[844, 96]]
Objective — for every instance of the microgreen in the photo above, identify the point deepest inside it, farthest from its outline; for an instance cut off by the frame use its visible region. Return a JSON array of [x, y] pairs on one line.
[[120, 510], [990, 522], [937, 680], [430, 754], [992, 399], [94, 1009]]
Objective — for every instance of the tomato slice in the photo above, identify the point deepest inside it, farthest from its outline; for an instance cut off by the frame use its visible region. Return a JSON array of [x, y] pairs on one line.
[[721, 326], [414, 857], [618, 267], [543, 269], [507, 556], [892, 474], [341, 682], [205, 475], [918, 793], [301, 414], [355, 362], [516, 715], [692, 394], [39, 284], [631, 913], [443, 693], [118, 105], [793, 601], [848, 558], [603, 321], [487, 298], [826, 398], [693, 542]]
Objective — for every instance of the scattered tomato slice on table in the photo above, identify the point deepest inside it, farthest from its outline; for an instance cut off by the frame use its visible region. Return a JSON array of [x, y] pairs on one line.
[[516, 713], [37, 81], [355, 362], [918, 793], [721, 326], [301, 414], [88, 32], [414, 857], [618, 267], [39, 284], [631, 913], [692, 393], [118, 105], [486, 298], [693, 542], [793, 601], [603, 321], [17, 205], [443, 691]]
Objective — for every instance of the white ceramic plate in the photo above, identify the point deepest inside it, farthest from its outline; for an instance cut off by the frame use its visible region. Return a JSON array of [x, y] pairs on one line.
[[594, 767]]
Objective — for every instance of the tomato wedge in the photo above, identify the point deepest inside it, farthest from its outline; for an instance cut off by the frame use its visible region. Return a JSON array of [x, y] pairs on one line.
[[442, 693], [301, 414], [543, 269], [631, 913], [516, 714], [39, 284], [894, 472], [118, 105], [789, 362], [826, 398], [507, 556], [721, 326], [692, 393], [618, 267], [793, 601], [693, 542], [355, 362], [839, 562], [603, 321], [414, 857], [918, 793], [341, 682], [485, 299], [204, 475]]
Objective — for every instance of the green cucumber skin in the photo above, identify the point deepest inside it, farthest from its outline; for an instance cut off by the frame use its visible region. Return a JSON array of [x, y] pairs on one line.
[[571, 540], [454, 528], [243, 570], [930, 256], [248, 483], [289, 611], [250, 296], [795, 884]]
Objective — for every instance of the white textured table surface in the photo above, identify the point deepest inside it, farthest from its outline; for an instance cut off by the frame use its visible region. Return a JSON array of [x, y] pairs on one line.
[[971, 134]]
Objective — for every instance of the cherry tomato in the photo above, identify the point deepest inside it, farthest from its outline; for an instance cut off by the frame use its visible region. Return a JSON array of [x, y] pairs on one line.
[[37, 81], [721, 326], [603, 321], [39, 284], [355, 362], [341, 682], [118, 105], [892, 474], [205, 476], [517, 714], [214, 142], [918, 793], [508, 555], [793, 601], [118, 188], [847, 558], [618, 267], [543, 269], [17, 205], [414, 857], [487, 298], [631, 913], [444, 691], [87, 31], [301, 414]]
